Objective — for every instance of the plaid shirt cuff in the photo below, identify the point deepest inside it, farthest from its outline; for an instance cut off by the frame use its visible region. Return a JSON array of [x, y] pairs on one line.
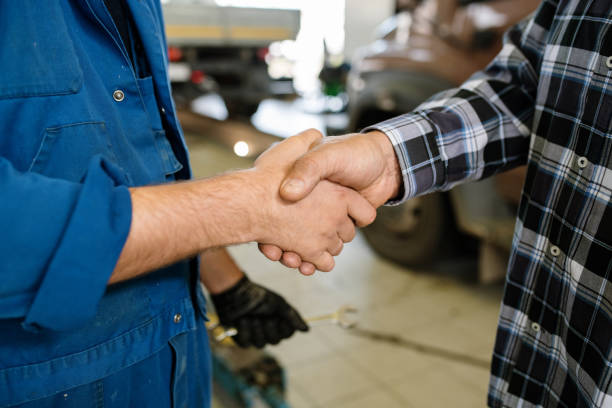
[[414, 140]]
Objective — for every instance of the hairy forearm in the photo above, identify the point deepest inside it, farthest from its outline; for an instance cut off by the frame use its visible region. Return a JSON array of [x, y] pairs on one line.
[[175, 221]]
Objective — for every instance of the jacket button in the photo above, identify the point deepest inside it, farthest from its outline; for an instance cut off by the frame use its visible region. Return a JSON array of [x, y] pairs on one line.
[[177, 318], [609, 62], [555, 251], [118, 95], [535, 326], [582, 162]]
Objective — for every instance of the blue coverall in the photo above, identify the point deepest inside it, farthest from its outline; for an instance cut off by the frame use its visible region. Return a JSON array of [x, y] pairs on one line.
[[78, 127]]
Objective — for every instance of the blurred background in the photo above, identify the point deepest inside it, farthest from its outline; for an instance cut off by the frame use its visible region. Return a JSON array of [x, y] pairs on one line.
[[425, 280]]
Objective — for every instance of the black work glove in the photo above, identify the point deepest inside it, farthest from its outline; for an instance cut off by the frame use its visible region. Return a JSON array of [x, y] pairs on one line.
[[260, 315]]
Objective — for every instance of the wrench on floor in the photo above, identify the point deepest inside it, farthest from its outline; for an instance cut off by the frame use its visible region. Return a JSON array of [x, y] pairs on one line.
[[340, 317]]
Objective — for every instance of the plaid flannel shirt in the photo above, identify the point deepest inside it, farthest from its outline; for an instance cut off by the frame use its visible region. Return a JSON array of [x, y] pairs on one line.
[[546, 100]]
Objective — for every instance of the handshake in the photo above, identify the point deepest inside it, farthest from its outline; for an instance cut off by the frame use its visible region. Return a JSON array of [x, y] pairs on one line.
[[310, 192], [300, 202]]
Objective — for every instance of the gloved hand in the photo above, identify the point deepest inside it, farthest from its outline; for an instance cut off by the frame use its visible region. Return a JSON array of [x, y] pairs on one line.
[[260, 315]]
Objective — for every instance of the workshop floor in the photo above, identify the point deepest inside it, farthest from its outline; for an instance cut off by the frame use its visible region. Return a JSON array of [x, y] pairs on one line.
[[331, 367]]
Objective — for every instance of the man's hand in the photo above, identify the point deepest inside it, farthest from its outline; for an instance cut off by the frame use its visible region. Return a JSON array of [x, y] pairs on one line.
[[315, 227], [365, 162], [260, 315], [237, 207]]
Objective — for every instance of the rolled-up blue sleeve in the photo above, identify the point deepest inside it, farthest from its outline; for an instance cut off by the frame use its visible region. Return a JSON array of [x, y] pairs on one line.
[[60, 243]]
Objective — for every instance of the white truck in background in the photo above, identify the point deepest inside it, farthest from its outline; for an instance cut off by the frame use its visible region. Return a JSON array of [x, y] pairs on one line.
[[224, 49]]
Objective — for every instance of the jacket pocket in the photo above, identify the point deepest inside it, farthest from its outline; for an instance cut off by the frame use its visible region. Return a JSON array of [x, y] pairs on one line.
[[170, 164], [191, 376], [37, 53], [65, 151]]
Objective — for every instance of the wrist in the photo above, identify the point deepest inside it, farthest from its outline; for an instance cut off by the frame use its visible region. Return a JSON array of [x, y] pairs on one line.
[[227, 209], [237, 300], [218, 270], [231, 292], [392, 174], [263, 209]]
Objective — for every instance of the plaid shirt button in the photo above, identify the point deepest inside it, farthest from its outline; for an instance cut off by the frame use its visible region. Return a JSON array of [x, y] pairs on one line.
[[555, 251], [609, 62], [582, 162], [535, 327]]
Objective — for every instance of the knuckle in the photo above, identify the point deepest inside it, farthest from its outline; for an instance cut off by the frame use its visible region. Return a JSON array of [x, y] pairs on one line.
[[308, 163], [343, 194], [337, 249], [326, 262], [351, 233]]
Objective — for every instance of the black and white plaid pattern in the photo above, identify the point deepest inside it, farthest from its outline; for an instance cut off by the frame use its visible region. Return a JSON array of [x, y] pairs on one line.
[[546, 100]]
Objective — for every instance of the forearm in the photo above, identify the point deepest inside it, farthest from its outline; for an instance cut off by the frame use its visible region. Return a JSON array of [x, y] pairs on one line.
[[175, 221], [218, 270]]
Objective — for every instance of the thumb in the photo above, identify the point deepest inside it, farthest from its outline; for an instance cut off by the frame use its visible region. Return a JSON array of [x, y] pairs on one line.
[[305, 174]]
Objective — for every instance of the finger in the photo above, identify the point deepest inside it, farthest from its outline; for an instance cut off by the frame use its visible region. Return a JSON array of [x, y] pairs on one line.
[[308, 138], [346, 231], [294, 146], [307, 269], [360, 210], [243, 337], [285, 329], [272, 252], [296, 321], [258, 337], [302, 142], [271, 331], [291, 260], [324, 262], [335, 251]]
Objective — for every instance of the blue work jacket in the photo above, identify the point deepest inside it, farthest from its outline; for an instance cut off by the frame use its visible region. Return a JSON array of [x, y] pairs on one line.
[[77, 128]]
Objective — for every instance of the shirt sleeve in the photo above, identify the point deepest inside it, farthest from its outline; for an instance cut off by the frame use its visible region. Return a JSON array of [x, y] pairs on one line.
[[476, 130], [60, 243]]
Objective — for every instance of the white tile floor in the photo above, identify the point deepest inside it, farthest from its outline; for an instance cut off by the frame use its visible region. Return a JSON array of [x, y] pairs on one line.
[[330, 367]]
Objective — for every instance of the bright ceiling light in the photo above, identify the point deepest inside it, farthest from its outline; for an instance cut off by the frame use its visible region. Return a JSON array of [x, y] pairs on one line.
[[241, 149]]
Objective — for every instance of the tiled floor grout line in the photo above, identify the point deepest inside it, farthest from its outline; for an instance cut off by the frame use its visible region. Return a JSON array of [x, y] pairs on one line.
[[381, 384]]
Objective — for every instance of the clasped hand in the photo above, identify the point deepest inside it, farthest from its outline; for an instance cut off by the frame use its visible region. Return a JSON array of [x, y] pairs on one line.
[[327, 187]]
